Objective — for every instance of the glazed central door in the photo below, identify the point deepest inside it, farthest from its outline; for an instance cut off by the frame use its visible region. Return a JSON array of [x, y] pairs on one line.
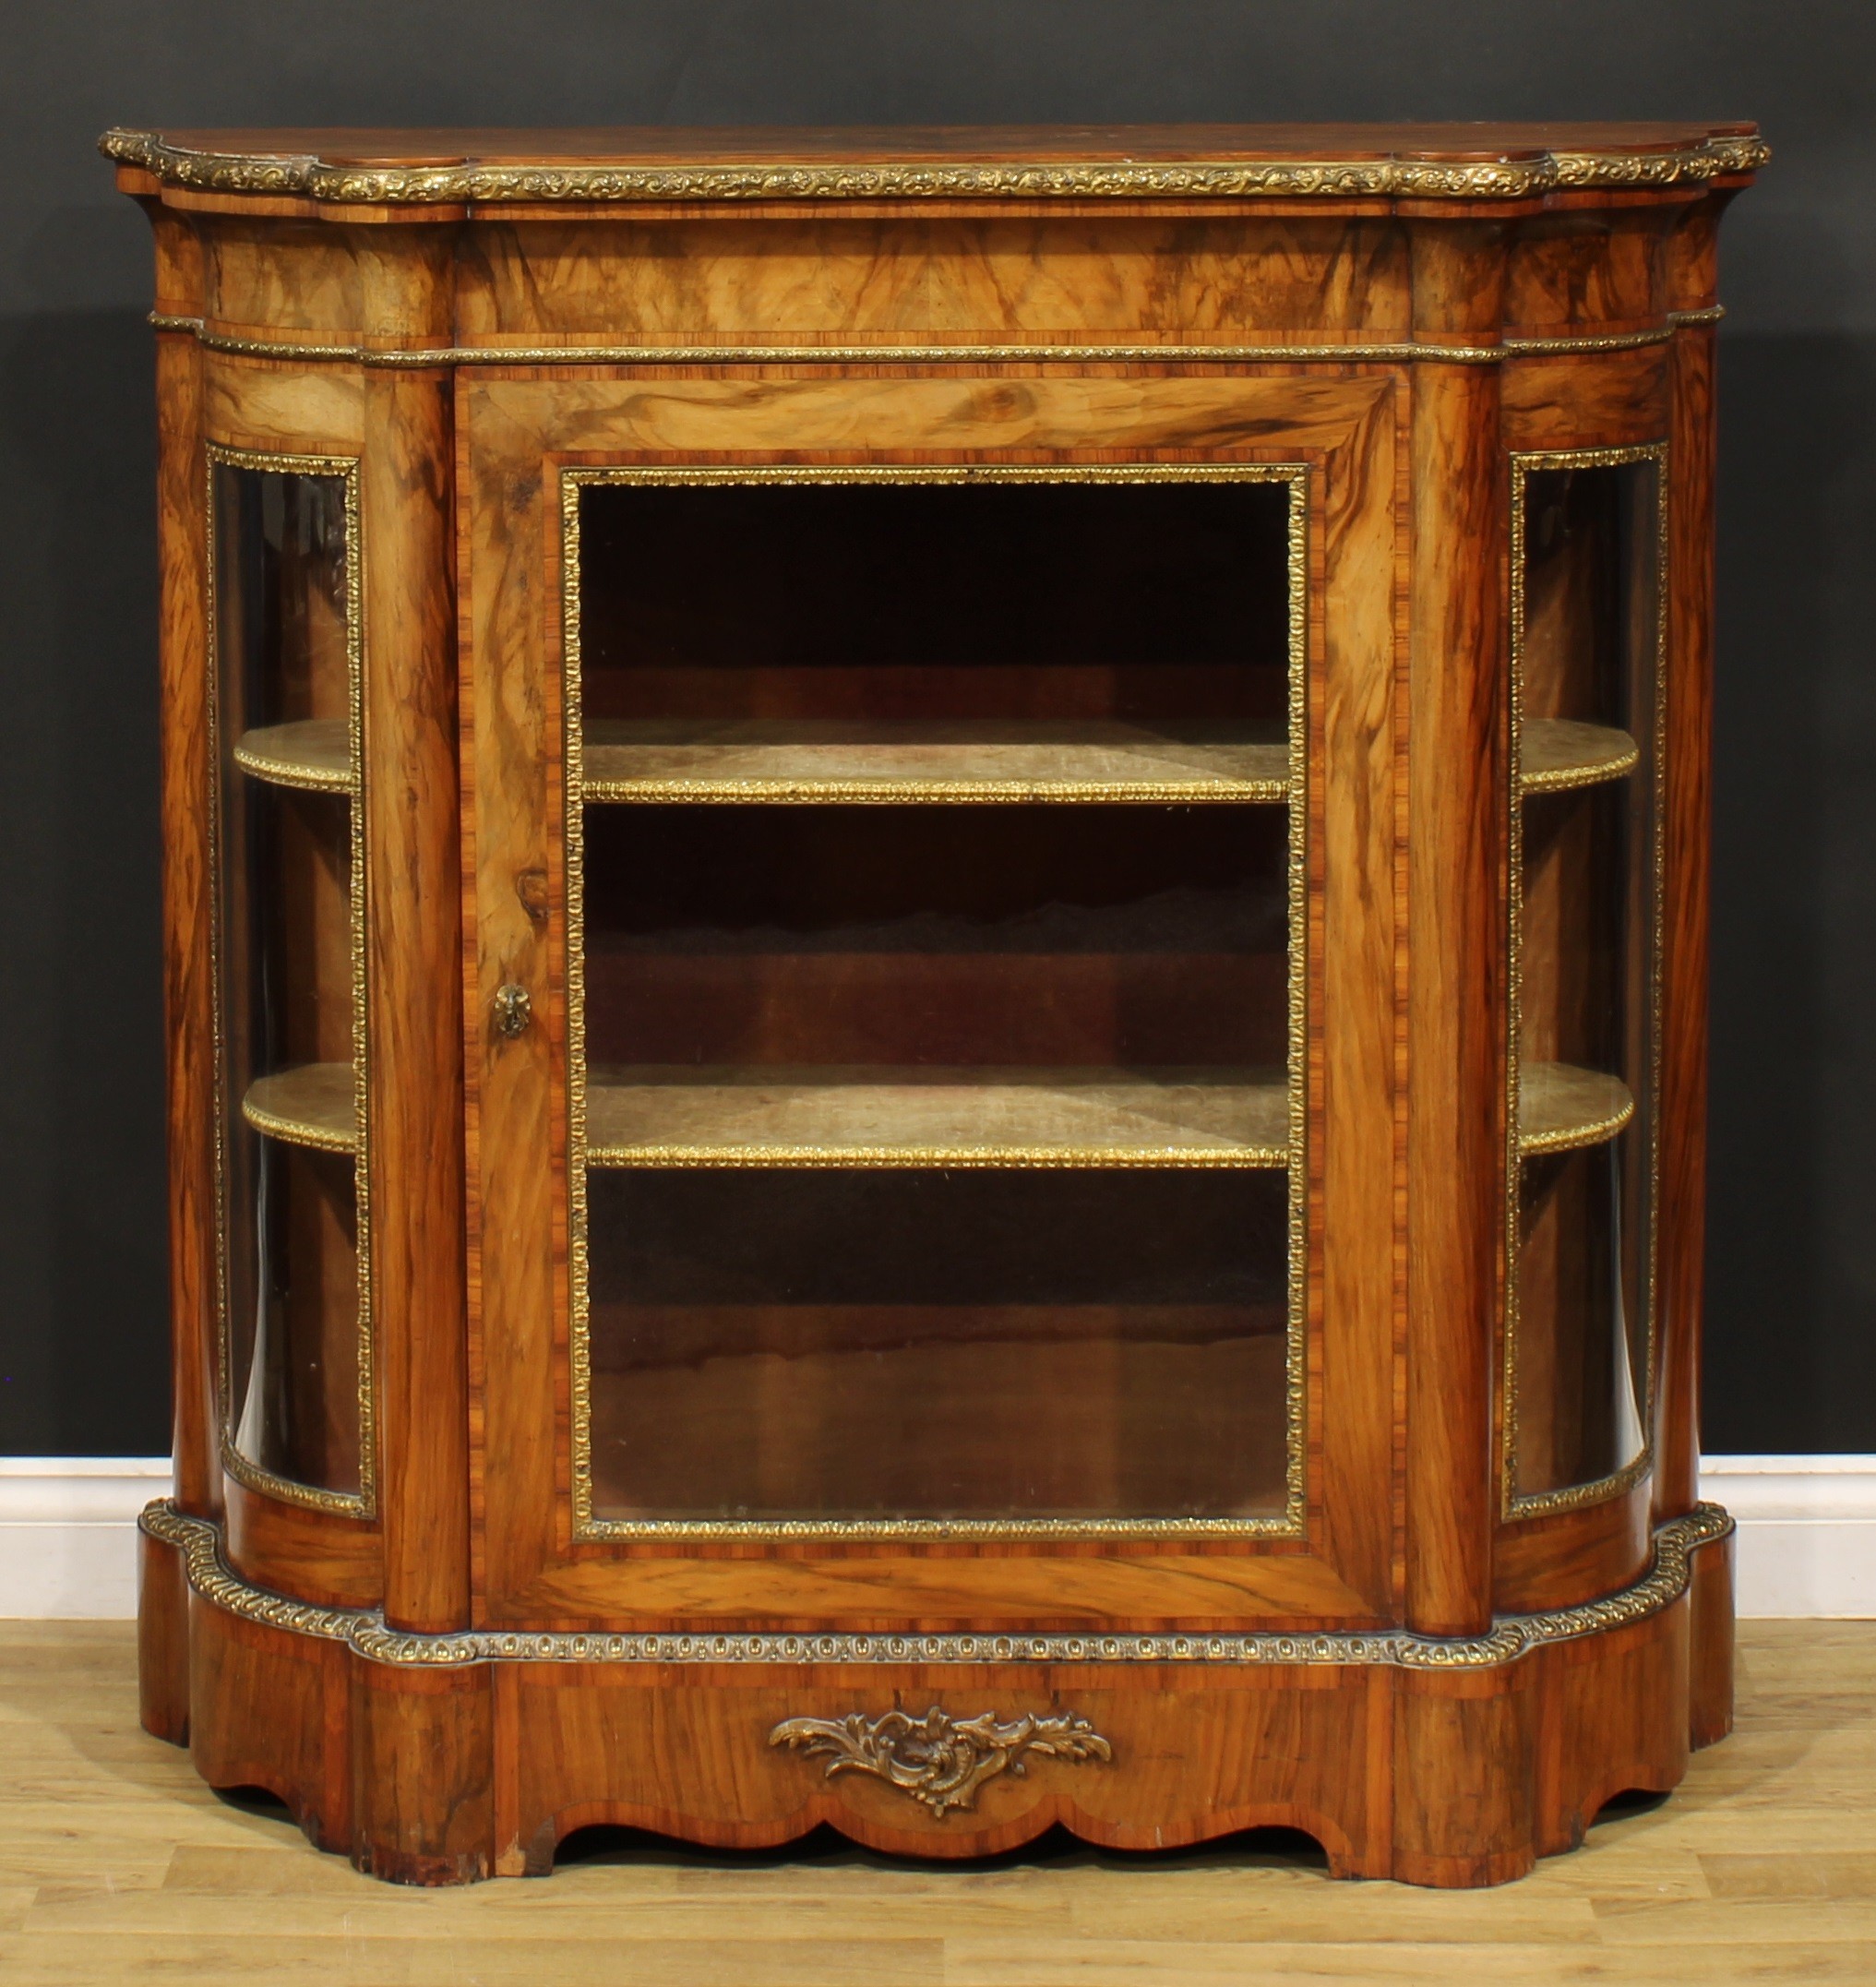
[[931, 1120]]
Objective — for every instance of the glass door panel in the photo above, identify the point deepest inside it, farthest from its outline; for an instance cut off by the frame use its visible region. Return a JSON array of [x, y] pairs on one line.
[[289, 993], [933, 1055], [1586, 720], [871, 1344]]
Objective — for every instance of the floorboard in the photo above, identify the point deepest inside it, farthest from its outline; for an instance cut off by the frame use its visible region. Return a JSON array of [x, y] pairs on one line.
[[116, 1865]]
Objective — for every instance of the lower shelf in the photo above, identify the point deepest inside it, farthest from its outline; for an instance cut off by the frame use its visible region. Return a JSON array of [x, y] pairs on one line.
[[1561, 1107], [313, 1103]]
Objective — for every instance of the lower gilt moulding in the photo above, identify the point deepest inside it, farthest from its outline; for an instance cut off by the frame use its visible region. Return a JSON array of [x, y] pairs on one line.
[[445, 1758]]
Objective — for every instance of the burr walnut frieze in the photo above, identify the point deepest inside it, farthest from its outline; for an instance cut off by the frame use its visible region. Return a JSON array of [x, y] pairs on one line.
[[936, 911]]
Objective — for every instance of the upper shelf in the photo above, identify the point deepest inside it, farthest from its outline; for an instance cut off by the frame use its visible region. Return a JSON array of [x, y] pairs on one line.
[[1557, 753], [1561, 1108], [311, 1104], [313, 752], [816, 759], [825, 1116]]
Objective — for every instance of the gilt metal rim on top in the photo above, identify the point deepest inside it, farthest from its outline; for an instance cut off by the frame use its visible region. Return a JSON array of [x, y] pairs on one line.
[[366, 1633], [469, 183]]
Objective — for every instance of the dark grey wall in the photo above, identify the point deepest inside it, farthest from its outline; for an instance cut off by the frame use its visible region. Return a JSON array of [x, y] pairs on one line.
[[1792, 1329]]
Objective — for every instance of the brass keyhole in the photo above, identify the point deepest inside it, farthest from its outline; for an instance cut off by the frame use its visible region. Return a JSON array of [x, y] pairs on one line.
[[513, 1011]]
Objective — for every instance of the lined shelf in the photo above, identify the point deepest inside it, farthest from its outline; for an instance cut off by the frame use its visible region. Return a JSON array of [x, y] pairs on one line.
[[1561, 1108], [309, 1104], [832, 1116], [832, 759], [1559, 753], [313, 753]]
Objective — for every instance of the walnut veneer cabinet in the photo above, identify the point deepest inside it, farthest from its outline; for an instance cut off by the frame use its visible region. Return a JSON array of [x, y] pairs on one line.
[[936, 908]]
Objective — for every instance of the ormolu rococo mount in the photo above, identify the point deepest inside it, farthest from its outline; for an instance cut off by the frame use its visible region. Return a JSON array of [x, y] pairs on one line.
[[937, 921]]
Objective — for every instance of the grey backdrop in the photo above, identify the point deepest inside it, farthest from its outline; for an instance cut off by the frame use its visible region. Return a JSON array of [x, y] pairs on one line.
[[1792, 1319]]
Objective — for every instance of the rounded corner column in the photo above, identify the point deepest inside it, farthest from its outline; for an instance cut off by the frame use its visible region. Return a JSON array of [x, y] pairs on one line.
[[1455, 930]]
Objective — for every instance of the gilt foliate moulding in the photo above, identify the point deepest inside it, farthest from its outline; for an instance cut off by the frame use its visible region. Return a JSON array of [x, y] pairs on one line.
[[366, 1633], [1269, 352], [473, 182], [582, 1152]]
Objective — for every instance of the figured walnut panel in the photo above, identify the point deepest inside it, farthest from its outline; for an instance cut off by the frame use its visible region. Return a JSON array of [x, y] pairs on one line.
[[1181, 1764], [333, 1558], [1585, 399], [298, 410], [915, 280], [1024, 1584]]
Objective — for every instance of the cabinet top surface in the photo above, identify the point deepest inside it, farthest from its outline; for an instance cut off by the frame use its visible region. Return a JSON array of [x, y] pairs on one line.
[[1429, 161]]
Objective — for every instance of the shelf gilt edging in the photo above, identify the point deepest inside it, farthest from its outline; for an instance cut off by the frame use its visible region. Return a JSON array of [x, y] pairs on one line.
[[1511, 1636]]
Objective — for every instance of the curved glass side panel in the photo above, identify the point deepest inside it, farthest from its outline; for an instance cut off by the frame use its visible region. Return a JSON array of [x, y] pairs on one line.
[[934, 995], [1587, 727], [289, 991]]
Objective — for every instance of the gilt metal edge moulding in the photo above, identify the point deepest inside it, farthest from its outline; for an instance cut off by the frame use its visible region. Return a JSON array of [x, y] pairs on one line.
[[365, 1633], [1526, 179], [1292, 1157], [1398, 352]]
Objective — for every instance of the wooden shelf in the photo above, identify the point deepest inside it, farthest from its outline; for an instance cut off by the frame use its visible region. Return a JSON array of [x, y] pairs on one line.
[[1559, 753], [819, 761], [311, 1104], [313, 753], [1560, 1108], [829, 1116]]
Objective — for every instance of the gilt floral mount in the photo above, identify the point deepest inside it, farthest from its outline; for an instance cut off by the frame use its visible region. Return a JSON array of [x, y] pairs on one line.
[[939, 1760]]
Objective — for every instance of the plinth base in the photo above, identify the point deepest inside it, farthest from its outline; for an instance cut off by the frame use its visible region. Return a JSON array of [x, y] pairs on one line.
[[438, 1759]]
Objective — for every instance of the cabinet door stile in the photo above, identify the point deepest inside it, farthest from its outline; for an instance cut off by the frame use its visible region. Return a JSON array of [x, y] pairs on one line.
[[535, 1225]]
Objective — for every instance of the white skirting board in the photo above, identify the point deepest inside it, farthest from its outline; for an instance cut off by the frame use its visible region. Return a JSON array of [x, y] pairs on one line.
[[1807, 1542], [68, 1534], [1807, 1532]]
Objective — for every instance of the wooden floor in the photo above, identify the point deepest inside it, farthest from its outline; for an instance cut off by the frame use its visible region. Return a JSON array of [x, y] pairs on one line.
[[116, 1865]]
